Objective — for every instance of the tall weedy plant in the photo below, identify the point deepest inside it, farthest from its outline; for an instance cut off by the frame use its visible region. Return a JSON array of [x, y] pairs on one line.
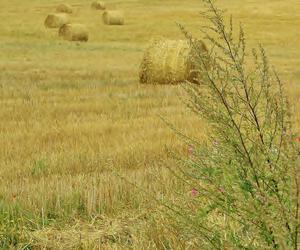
[[245, 179]]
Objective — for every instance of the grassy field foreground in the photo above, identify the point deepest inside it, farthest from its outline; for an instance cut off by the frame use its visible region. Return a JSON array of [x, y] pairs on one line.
[[70, 112]]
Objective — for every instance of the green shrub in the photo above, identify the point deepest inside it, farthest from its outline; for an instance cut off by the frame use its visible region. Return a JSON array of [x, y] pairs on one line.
[[245, 177]]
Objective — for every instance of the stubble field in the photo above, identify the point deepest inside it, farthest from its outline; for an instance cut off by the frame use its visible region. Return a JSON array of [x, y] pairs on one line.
[[70, 113]]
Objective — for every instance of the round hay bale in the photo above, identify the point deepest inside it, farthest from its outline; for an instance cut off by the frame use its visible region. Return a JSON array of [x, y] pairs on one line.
[[64, 8], [113, 17], [56, 20], [168, 62], [74, 32], [97, 5]]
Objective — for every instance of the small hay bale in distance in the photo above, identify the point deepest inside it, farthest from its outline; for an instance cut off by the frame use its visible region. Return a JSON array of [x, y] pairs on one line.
[[64, 8], [56, 20], [74, 32], [97, 5], [113, 17], [169, 62]]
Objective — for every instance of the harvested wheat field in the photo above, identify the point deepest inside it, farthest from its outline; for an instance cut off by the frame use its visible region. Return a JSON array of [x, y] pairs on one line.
[[85, 148]]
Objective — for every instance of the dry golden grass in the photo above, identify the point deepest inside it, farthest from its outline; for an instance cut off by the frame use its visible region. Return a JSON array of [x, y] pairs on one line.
[[64, 8], [168, 62], [74, 32], [113, 17], [56, 20], [98, 5], [71, 112]]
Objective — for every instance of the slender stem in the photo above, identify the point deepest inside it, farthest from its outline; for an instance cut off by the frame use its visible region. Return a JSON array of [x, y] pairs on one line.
[[297, 212], [252, 110]]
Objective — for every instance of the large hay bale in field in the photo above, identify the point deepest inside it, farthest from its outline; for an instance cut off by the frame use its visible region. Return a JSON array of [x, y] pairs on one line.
[[113, 17], [56, 20], [97, 5], [64, 8], [169, 62], [74, 32]]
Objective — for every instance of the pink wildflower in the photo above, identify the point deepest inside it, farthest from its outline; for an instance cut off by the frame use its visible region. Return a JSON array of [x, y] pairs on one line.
[[194, 192], [190, 150], [221, 190]]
